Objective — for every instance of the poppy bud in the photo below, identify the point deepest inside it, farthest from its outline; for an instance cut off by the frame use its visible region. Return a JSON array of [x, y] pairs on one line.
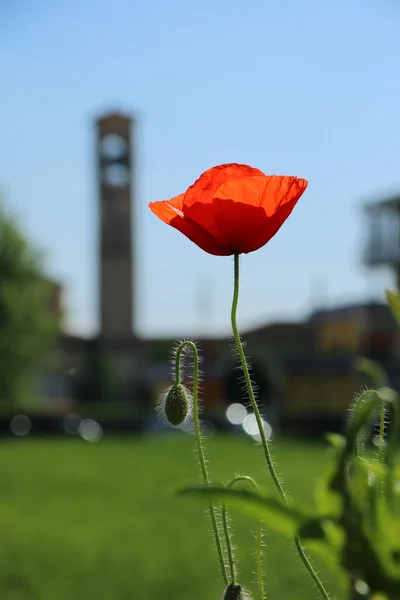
[[177, 404], [235, 592]]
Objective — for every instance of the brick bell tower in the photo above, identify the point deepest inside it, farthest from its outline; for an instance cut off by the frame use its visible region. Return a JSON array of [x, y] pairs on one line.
[[114, 175]]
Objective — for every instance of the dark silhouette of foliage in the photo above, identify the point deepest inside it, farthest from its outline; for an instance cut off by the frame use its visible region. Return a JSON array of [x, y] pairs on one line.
[[29, 320]]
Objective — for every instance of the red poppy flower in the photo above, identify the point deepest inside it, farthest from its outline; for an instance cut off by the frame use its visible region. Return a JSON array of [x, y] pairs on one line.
[[232, 209]]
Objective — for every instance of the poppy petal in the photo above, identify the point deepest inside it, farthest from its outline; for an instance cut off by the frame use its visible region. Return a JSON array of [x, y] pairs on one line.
[[280, 197], [248, 212], [167, 209], [204, 188], [198, 199], [281, 189], [246, 190], [238, 224], [170, 211], [272, 226]]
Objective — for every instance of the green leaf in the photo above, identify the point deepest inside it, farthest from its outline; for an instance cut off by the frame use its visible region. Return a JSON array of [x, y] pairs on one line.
[[329, 550], [281, 517], [391, 400], [313, 529], [336, 440], [371, 466], [373, 370], [393, 298], [365, 408]]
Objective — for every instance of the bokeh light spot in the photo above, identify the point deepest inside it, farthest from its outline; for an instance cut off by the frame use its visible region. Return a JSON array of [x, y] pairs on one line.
[[250, 426], [236, 413], [361, 587], [90, 430], [21, 425], [71, 423]]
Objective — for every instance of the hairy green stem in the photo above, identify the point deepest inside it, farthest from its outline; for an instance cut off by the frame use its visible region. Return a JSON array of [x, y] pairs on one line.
[[231, 559], [381, 453], [200, 449], [257, 415], [260, 576], [382, 433]]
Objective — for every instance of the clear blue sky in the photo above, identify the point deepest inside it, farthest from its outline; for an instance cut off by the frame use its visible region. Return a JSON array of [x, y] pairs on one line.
[[297, 87]]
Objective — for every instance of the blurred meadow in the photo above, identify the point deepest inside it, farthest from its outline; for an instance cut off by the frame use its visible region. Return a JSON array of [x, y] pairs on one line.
[[99, 521]]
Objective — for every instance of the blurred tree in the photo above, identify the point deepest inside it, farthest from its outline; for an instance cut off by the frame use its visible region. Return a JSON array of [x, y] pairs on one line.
[[29, 318]]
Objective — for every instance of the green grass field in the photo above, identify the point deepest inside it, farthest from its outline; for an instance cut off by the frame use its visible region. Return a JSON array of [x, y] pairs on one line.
[[83, 521]]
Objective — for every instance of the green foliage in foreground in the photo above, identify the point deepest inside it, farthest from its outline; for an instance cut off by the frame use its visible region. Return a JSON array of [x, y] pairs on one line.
[[99, 522], [355, 523]]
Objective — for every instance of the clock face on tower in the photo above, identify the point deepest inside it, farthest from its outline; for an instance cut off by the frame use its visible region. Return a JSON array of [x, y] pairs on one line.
[[114, 153], [113, 146]]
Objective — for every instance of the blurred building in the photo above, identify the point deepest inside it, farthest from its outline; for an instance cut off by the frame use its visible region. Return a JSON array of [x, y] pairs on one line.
[[383, 241], [304, 372]]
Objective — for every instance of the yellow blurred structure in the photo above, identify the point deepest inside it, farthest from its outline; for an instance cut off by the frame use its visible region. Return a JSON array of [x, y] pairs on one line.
[[341, 335]]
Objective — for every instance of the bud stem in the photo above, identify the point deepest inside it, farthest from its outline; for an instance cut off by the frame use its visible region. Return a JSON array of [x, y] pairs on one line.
[[382, 433], [264, 441], [260, 576], [199, 443]]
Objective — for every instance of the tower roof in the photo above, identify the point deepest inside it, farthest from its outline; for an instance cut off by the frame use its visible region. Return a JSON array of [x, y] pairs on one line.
[[389, 202], [114, 122]]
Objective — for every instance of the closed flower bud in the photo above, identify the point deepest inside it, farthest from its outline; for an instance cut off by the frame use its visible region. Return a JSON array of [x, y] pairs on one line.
[[235, 592], [177, 405]]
